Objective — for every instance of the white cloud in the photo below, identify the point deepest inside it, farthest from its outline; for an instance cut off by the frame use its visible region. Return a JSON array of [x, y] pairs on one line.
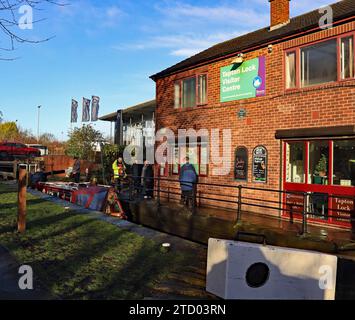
[[113, 12], [111, 16], [185, 52], [302, 6], [182, 45], [228, 15], [87, 12], [186, 29]]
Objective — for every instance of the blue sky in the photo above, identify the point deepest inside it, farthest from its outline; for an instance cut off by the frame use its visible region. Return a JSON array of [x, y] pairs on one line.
[[110, 48]]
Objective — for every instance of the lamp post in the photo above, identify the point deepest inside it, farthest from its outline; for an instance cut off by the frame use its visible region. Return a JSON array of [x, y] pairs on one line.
[[39, 108]]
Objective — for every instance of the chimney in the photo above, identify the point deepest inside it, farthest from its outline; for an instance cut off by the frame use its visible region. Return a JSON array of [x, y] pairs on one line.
[[279, 13]]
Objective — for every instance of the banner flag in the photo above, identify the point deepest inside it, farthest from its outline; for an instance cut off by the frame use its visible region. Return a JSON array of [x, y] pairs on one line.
[[86, 110], [74, 111], [95, 105]]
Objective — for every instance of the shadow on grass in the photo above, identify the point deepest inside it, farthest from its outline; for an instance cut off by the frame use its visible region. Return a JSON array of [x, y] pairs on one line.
[[40, 222], [135, 279], [86, 259], [2, 193], [91, 270], [13, 205], [58, 273], [60, 231], [53, 219]]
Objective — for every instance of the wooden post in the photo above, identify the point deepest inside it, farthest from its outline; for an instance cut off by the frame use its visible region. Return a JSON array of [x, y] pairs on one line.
[[21, 217], [239, 215]]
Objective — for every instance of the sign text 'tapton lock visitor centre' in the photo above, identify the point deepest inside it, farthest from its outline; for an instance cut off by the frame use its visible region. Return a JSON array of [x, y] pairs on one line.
[[243, 81]]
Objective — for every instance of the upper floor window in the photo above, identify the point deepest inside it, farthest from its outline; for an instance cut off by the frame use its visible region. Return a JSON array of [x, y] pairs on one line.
[[319, 63], [202, 89], [291, 70], [190, 92]]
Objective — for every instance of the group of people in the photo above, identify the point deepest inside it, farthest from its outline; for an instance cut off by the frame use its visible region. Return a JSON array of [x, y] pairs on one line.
[[143, 178]]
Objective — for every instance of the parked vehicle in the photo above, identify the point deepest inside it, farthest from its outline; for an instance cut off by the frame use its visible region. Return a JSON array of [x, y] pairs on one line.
[[10, 150], [40, 147]]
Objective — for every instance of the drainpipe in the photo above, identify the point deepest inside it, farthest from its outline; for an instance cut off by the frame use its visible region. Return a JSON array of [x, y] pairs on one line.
[[280, 180]]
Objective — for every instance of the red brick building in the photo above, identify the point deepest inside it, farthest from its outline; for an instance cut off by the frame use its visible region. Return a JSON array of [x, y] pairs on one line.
[[287, 92]]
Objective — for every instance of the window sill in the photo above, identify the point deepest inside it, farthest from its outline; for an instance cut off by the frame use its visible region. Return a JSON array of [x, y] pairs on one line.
[[191, 108], [327, 85]]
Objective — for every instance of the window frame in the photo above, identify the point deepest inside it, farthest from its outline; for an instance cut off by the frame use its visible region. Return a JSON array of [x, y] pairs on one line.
[[287, 52], [306, 142], [305, 160], [297, 51], [180, 83], [349, 35], [199, 147]]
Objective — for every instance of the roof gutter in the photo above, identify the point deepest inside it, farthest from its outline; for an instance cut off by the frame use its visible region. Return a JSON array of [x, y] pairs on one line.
[[291, 36]]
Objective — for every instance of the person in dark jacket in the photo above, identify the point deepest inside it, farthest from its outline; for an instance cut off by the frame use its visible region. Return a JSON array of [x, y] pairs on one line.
[[148, 180], [38, 176], [136, 174], [188, 179], [76, 170]]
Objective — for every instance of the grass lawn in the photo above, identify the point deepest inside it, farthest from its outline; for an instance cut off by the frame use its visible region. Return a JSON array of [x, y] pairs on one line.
[[78, 257]]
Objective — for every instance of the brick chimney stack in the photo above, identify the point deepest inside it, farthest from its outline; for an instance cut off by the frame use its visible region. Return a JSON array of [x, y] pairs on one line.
[[279, 13]]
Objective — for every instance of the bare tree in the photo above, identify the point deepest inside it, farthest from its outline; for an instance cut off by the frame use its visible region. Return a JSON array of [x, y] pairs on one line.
[[11, 24]]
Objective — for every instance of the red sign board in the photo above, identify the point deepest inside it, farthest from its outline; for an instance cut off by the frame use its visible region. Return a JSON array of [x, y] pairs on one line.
[[342, 207], [294, 203]]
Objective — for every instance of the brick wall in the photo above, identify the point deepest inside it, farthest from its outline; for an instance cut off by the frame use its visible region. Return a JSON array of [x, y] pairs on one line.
[[327, 105]]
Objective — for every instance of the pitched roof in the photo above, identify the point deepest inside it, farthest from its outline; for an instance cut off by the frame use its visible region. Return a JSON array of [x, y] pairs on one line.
[[341, 10]]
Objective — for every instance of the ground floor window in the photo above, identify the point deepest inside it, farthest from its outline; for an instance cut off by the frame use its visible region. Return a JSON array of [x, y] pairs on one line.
[[322, 171], [296, 154], [344, 163], [327, 162], [318, 162], [198, 155]]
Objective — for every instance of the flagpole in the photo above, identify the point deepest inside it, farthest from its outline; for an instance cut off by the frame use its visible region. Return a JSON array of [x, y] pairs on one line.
[[82, 115], [71, 123]]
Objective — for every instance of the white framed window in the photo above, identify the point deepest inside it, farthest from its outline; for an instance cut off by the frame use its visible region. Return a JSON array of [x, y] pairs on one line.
[[291, 70]]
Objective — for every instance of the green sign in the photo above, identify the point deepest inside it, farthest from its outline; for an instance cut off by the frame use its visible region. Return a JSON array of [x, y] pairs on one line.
[[243, 81]]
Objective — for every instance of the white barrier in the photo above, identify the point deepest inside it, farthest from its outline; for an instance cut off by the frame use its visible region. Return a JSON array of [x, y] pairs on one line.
[[241, 270]]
